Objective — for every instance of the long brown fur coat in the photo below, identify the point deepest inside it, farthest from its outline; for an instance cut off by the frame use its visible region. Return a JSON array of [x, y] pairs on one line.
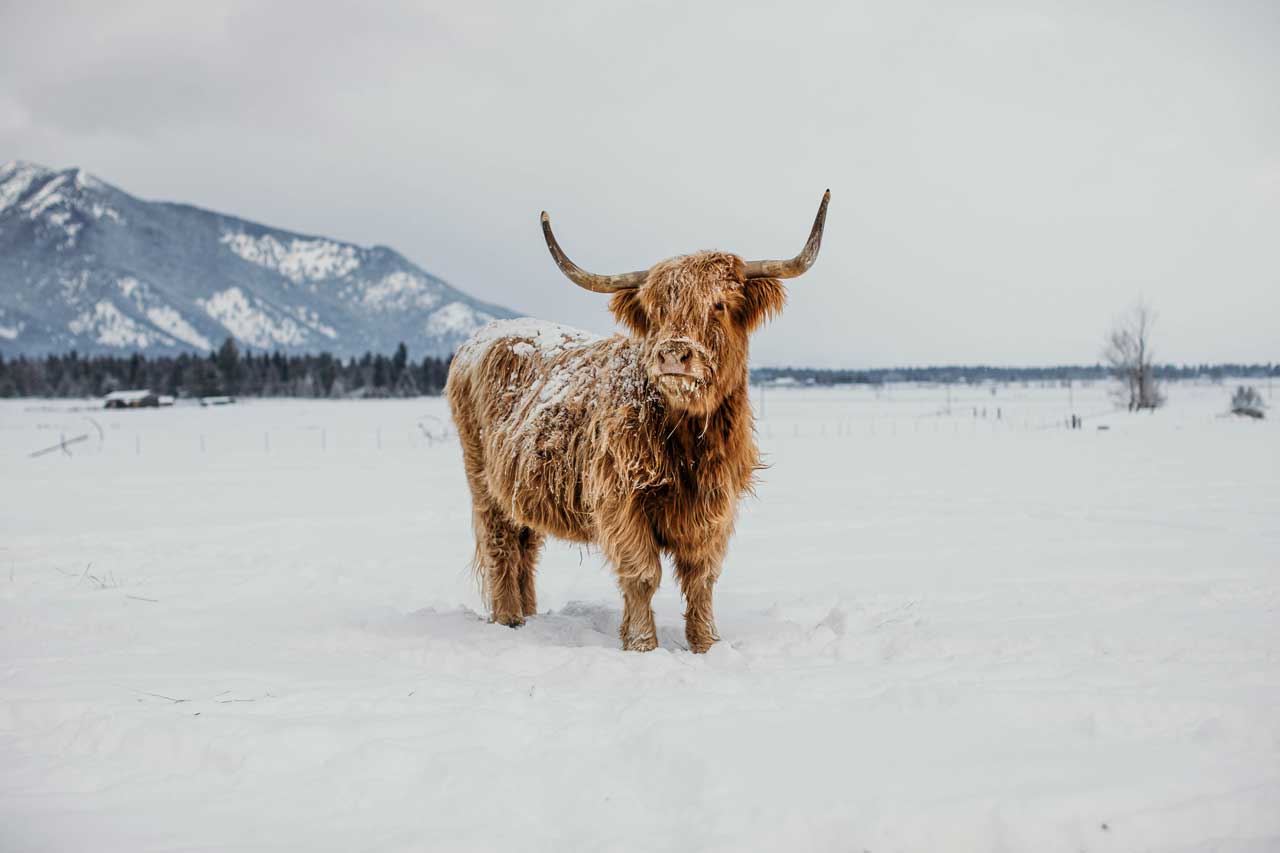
[[569, 435]]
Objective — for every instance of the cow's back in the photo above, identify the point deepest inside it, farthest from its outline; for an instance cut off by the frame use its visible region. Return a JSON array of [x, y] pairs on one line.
[[533, 403]]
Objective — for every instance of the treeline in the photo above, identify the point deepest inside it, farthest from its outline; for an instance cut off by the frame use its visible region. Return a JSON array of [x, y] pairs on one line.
[[227, 371], [977, 374], [248, 374]]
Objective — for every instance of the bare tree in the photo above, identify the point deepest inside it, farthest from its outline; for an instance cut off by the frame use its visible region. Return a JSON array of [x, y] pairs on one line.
[[1128, 353]]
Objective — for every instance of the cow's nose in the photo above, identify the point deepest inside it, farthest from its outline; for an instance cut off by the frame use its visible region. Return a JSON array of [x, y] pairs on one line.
[[674, 358]]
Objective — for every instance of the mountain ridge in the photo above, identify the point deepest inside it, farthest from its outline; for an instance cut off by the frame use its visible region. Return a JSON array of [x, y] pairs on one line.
[[87, 266]]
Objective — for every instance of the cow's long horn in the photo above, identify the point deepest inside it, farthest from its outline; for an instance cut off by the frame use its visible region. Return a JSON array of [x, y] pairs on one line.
[[584, 279], [801, 262]]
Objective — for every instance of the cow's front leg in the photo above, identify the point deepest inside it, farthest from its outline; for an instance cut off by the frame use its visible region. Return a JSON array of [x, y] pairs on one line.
[[698, 567], [628, 541], [639, 583]]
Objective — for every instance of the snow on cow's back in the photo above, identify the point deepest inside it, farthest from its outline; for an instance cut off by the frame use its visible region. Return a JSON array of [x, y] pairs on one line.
[[529, 336]]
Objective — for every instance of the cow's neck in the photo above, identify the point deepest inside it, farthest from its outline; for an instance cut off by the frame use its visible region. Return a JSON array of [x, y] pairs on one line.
[[705, 445]]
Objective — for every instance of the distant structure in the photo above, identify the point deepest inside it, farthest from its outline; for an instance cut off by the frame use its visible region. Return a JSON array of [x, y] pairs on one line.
[[140, 398]]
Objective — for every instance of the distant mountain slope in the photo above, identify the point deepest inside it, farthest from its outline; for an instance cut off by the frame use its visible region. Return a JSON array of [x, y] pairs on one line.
[[86, 266]]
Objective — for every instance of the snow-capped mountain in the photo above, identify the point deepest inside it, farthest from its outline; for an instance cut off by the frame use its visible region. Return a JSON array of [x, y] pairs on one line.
[[88, 267]]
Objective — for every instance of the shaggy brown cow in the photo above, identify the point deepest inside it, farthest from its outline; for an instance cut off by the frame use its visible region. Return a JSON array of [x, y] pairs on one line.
[[641, 444]]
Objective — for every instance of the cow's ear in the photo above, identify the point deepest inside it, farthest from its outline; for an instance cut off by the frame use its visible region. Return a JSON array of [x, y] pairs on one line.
[[762, 299], [627, 307]]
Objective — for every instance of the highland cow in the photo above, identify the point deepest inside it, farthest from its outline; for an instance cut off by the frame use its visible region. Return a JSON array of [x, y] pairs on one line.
[[641, 444]]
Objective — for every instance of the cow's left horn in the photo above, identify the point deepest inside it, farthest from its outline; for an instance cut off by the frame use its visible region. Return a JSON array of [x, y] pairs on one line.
[[584, 279], [801, 262]]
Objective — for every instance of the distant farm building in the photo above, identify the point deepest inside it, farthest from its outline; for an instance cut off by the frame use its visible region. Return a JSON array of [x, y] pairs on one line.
[[141, 398]]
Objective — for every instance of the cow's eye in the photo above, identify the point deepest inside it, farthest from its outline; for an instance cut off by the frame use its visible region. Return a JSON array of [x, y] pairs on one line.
[[719, 306]]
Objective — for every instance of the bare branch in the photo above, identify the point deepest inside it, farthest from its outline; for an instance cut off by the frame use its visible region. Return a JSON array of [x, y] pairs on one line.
[[1127, 351]]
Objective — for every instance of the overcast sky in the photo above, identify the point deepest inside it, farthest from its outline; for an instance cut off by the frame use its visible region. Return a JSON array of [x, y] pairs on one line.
[[1005, 178]]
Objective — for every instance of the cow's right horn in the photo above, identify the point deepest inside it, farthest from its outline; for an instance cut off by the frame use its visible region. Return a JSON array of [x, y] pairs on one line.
[[584, 279], [793, 267]]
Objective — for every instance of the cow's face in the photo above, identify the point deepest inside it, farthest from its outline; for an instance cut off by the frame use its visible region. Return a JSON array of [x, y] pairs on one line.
[[693, 315]]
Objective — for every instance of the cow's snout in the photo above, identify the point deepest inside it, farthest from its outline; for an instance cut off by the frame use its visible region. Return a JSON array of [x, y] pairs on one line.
[[674, 358]]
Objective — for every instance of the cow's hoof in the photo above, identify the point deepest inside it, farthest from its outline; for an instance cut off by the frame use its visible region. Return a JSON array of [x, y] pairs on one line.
[[701, 641], [701, 647], [640, 644], [510, 621]]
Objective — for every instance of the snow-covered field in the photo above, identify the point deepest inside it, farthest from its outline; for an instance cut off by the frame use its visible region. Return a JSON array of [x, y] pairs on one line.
[[253, 628]]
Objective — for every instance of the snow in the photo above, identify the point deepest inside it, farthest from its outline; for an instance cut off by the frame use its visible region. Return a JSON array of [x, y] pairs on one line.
[[456, 318], [299, 260], [75, 286], [250, 323], [129, 286], [113, 327], [253, 627], [168, 319], [570, 380], [165, 318], [16, 178], [98, 210], [84, 180], [50, 202], [128, 396], [110, 326], [311, 318], [399, 290], [47, 196], [10, 333], [548, 339]]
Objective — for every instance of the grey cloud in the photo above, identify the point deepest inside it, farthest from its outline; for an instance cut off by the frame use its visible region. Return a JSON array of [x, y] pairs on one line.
[[1005, 177]]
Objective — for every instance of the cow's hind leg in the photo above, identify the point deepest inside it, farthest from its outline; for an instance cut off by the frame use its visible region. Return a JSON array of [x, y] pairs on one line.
[[506, 553], [530, 549]]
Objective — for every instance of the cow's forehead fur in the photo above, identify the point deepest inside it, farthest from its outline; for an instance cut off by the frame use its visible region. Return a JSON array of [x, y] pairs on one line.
[[686, 285]]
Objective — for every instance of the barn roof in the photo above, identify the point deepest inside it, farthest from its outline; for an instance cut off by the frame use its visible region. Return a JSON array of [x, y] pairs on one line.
[[129, 396]]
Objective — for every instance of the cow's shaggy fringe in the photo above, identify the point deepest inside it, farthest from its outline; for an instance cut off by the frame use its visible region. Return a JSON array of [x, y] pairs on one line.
[[573, 436]]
